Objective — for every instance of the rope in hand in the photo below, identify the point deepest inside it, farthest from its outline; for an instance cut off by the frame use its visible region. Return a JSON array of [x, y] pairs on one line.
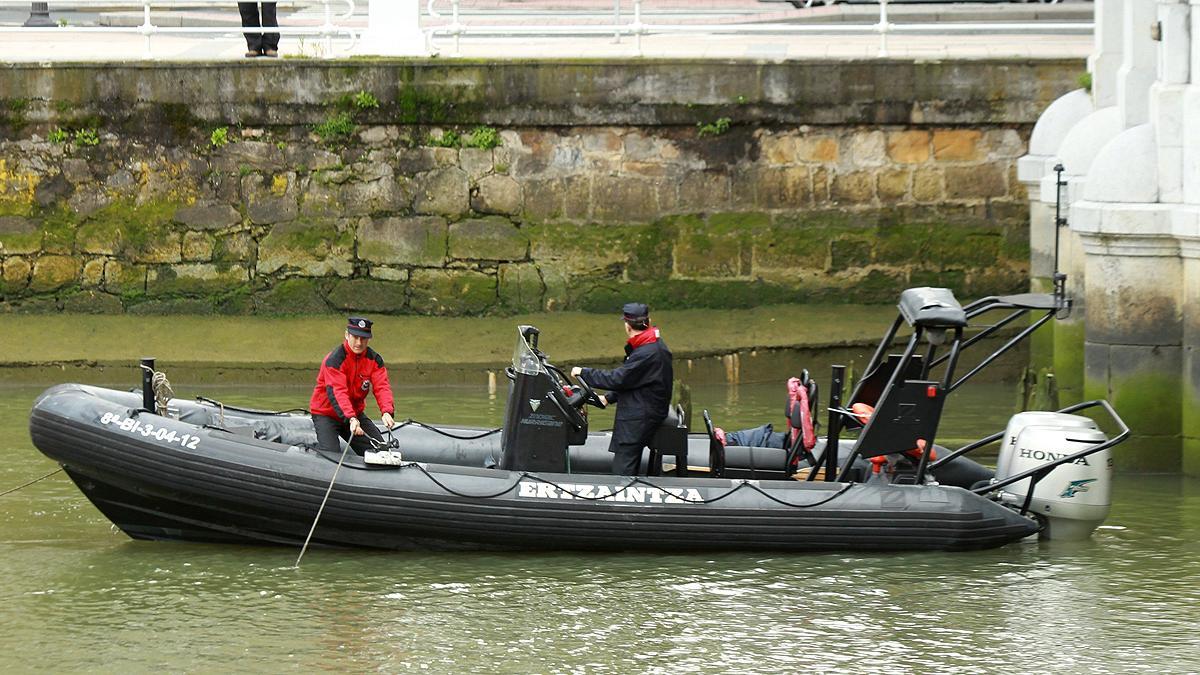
[[31, 482]]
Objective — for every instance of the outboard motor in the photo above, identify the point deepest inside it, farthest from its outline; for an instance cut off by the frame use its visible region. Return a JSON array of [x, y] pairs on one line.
[[1030, 418], [539, 421], [1073, 499]]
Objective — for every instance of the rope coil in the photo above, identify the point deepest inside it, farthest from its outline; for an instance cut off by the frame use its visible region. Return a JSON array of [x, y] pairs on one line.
[[163, 393]]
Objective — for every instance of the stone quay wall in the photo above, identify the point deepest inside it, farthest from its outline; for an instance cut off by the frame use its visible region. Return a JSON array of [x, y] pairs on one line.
[[429, 187]]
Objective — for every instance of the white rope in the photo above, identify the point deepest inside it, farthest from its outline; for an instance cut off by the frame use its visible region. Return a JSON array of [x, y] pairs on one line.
[[163, 393]]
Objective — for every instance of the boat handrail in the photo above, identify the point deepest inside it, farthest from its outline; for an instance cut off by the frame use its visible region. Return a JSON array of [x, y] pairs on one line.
[[1038, 472]]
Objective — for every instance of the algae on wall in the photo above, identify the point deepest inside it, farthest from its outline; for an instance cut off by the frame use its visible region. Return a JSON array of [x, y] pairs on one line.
[[414, 203]]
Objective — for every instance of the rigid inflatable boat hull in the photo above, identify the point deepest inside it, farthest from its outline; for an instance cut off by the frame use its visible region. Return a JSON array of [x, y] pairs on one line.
[[224, 487]]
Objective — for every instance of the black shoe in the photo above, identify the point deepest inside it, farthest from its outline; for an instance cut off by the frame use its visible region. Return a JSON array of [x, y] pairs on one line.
[[271, 53], [251, 54]]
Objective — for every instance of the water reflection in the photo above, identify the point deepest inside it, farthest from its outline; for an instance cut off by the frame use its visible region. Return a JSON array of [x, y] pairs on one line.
[[81, 597]]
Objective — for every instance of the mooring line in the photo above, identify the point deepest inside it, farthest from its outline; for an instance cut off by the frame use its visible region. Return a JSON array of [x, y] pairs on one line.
[[31, 482]]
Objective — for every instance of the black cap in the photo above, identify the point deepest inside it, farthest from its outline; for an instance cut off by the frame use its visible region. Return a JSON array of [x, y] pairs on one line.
[[635, 311], [359, 326]]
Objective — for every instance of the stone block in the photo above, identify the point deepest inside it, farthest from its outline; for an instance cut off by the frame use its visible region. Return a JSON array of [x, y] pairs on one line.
[[957, 145], [1138, 301], [543, 200], [256, 154], [19, 235], [419, 241], [793, 247], [319, 198], [1003, 144], [816, 148], [53, 189], [453, 292], [311, 249], [783, 188], [908, 147], [77, 171], [388, 273], [704, 191], [778, 149], [369, 295], [822, 178], [123, 278], [849, 254], [52, 272], [602, 141], [86, 202], [293, 296], [170, 306], [383, 196], [492, 238], [201, 279], [864, 149], [928, 185], [521, 288], [208, 216], [720, 247], [93, 273], [497, 194], [15, 276], [477, 162], [92, 302], [976, 182], [233, 247], [576, 197], [412, 161], [853, 188], [893, 185], [159, 247], [442, 192], [624, 199], [197, 247], [582, 249]]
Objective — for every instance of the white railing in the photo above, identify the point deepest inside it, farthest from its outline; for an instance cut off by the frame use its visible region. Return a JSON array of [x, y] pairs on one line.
[[327, 31], [636, 28]]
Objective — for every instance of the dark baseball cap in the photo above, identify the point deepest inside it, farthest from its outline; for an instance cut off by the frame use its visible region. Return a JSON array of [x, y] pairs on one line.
[[357, 325], [635, 311]]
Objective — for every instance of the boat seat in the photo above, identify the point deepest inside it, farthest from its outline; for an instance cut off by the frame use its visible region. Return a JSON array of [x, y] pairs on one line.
[[670, 439], [931, 308]]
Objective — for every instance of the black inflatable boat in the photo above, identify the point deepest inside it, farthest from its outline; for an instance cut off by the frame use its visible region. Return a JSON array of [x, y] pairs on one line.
[[200, 471]]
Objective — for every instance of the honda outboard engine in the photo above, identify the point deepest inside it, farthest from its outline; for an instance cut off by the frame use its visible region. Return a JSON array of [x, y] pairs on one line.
[[1074, 498], [539, 422]]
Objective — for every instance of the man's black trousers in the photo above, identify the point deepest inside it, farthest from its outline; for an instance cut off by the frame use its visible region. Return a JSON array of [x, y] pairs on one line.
[[330, 429]]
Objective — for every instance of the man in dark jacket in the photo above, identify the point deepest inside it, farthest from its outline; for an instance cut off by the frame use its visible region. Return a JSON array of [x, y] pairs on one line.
[[339, 399], [641, 388]]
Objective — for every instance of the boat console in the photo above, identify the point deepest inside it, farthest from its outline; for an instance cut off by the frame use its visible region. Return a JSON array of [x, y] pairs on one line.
[[545, 414]]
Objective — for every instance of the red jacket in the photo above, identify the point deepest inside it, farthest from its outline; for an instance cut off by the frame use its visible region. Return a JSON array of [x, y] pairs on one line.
[[344, 381]]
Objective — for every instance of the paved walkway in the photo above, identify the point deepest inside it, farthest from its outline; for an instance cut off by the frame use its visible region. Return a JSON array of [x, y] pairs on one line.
[[701, 15]]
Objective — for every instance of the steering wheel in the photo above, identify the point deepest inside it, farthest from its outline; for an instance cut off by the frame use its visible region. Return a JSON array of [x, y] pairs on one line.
[[589, 395]]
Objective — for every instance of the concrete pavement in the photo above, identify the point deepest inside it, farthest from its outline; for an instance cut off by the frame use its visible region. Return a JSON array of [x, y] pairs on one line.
[[702, 41]]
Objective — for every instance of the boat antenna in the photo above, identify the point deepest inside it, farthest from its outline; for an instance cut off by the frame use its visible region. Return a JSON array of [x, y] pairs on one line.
[[1060, 280], [322, 508]]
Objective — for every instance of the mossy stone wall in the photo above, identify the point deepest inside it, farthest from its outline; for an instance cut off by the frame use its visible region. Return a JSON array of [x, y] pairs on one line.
[[265, 188]]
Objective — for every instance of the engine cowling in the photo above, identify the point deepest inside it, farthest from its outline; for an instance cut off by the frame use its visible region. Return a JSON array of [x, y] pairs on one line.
[[1075, 497]]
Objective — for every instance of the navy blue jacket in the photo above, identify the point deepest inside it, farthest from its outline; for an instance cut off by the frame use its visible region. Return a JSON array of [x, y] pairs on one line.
[[641, 388]]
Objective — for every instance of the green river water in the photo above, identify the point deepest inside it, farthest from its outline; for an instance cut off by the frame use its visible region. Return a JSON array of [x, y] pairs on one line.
[[78, 596]]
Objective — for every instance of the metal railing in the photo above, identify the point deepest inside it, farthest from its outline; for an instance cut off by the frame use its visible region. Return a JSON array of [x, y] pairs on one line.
[[327, 31], [637, 28]]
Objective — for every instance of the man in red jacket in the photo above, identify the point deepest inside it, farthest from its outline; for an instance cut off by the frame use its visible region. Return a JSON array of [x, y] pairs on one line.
[[347, 375]]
